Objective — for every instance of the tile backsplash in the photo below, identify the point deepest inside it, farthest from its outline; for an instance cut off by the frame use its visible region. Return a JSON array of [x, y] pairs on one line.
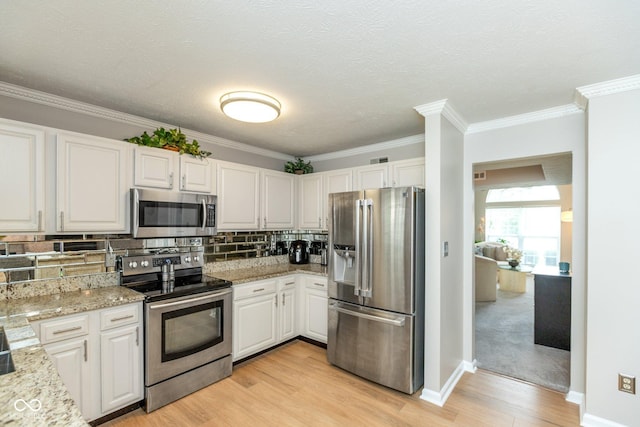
[[28, 258]]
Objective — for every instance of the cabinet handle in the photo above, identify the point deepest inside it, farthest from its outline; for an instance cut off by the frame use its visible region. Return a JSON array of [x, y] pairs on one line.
[[64, 331], [40, 221], [276, 300], [184, 181], [137, 336], [283, 303], [85, 350], [318, 284], [319, 222], [265, 222], [117, 319], [171, 180], [61, 220], [258, 290]]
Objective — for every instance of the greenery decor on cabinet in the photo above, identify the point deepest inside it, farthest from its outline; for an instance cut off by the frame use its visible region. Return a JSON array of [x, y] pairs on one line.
[[172, 139], [298, 167]]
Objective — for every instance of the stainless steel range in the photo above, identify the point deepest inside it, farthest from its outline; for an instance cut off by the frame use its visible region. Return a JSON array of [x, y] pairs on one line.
[[187, 321]]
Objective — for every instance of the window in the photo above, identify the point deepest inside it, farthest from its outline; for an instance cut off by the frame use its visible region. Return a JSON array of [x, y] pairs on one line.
[[528, 219]]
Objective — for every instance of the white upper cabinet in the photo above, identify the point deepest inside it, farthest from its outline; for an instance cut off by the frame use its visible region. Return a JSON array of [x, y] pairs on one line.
[[278, 195], [238, 196], [408, 172], [372, 176], [157, 168], [195, 174], [154, 167], [22, 172], [310, 202], [92, 184]]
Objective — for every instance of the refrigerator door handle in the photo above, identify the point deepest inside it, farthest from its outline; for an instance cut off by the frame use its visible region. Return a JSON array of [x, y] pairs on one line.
[[357, 285], [368, 208], [398, 321]]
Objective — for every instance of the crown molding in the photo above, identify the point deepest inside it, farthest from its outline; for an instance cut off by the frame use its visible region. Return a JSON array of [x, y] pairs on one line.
[[534, 116], [55, 101], [395, 143], [445, 108], [584, 93]]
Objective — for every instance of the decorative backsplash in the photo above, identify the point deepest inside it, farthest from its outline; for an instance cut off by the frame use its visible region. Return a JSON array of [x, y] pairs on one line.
[[33, 257]]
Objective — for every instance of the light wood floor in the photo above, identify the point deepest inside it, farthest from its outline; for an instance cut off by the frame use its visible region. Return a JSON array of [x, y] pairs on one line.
[[295, 386]]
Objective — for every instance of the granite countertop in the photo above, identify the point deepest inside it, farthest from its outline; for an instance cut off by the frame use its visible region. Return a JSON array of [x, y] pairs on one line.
[[36, 381], [244, 275]]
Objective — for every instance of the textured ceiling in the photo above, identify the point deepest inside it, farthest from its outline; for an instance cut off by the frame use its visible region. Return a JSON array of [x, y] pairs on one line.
[[348, 73]]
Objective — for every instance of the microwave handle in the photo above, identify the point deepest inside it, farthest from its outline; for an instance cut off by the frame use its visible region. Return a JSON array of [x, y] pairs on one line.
[[204, 213], [135, 209]]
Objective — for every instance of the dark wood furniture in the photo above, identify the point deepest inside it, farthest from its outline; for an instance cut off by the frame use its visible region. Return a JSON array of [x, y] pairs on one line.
[[552, 309]]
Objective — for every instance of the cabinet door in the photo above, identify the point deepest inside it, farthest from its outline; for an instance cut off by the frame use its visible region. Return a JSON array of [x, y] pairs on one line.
[[21, 179], [337, 181], [154, 167], [374, 176], [195, 174], [238, 196], [287, 308], [254, 325], [310, 206], [121, 367], [315, 308], [92, 184], [408, 172], [71, 360], [277, 200]]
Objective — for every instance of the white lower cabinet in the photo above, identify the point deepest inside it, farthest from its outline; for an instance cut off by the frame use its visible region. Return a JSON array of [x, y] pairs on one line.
[[287, 304], [98, 355], [314, 307], [70, 359], [254, 317], [268, 312]]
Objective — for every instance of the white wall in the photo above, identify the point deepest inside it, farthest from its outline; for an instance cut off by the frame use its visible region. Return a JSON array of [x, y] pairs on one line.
[[346, 160], [551, 136], [613, 340], [443, 276]]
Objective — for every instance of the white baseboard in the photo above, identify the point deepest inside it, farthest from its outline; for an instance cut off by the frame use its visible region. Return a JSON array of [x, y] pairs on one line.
[[578, 399], [470, 366], [440, 397], [593, 421]]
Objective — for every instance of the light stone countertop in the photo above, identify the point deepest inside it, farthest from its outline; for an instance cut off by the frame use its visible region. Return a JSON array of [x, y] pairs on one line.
[[37, 378], [36, 381], [251, 274]]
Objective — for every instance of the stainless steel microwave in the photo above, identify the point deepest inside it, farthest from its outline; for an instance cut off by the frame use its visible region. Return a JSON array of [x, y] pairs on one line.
[[168, 214]]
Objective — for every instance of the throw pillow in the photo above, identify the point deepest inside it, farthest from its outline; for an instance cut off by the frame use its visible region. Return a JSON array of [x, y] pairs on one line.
[[501, 255], [489, 252]]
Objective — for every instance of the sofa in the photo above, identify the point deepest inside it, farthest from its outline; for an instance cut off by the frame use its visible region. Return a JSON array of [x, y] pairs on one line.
[[488, 255]]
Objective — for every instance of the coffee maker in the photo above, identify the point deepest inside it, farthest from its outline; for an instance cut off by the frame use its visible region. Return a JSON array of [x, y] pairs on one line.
[[299, 252]]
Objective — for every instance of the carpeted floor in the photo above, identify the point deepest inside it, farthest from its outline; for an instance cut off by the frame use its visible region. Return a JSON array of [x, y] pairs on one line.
[[504, 342]]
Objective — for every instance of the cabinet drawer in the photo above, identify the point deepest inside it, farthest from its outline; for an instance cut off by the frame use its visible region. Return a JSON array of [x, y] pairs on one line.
[[287, 283], [319, 283], [119, 316], [254, 289], [56, 330]]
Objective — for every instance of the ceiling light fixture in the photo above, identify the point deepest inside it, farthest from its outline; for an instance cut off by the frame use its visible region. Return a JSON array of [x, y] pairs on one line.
[[252, 107]]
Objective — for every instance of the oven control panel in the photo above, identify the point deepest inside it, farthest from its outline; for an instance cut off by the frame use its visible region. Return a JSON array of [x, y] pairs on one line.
[[152, 263]]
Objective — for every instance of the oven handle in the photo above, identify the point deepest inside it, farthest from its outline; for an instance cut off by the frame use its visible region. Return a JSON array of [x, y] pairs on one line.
[[154, 306]]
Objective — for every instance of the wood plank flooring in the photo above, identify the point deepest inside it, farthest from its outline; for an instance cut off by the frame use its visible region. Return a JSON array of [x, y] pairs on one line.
[[295, 386]]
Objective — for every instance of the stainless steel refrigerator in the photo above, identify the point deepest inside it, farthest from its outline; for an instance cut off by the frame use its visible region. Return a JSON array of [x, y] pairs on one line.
[[376, 285]]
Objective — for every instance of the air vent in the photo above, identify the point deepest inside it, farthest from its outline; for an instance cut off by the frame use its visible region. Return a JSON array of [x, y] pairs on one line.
[[480, 176], [379, 160]]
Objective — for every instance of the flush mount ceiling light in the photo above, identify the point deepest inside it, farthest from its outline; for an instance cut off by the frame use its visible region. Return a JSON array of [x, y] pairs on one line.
[[252, 107]]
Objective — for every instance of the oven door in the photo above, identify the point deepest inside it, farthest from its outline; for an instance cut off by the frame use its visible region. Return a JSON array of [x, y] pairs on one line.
[[185, 333]]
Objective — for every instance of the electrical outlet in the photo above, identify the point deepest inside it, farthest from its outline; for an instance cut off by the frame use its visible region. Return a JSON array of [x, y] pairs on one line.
[[627, 383]]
